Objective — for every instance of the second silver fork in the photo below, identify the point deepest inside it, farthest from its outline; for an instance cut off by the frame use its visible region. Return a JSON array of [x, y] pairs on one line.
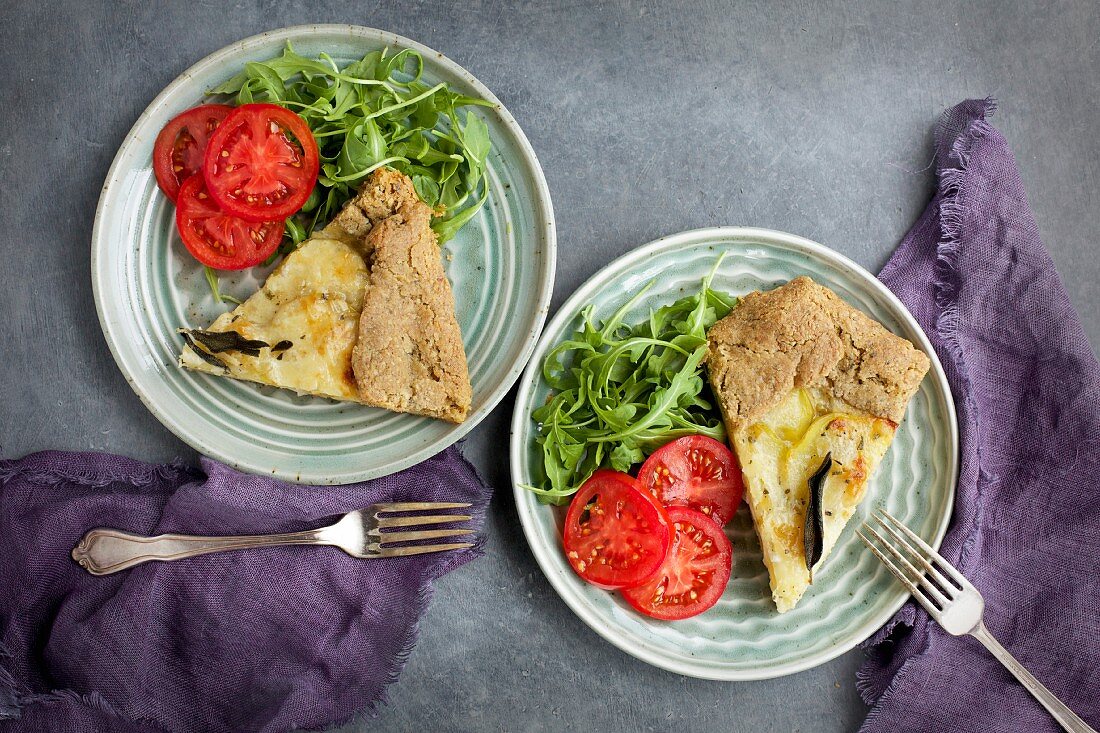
[[366, 533], [953, 602]]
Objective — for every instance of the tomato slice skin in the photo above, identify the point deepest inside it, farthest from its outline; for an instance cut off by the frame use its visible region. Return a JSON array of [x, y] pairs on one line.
[[218, 239], [698, 564], [180, 148], [261, 163], [698, 472], [616, 535]]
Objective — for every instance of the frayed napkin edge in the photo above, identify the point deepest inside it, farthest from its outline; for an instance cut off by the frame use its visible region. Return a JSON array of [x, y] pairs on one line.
[[423, 601], [12, 712], [90, 468], [946, 288]]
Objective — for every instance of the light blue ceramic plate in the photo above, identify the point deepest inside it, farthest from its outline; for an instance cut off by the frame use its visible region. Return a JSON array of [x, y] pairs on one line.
[[743, 637], [501, 266]]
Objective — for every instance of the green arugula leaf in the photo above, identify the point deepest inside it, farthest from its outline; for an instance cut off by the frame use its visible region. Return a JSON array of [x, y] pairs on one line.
[[427, 189], [624, 456], [621, 392], [446, 228], [475, 136]]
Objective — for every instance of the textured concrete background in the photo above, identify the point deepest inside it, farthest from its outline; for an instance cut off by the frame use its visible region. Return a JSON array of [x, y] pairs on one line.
[[649, 118]]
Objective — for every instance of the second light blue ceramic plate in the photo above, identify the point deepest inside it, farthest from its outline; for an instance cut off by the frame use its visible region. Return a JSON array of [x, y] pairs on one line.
[[501, 266], [743, 637]]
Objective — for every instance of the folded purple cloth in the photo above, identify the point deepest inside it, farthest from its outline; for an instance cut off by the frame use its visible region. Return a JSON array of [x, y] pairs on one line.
[[259, 640], [1026, 525]]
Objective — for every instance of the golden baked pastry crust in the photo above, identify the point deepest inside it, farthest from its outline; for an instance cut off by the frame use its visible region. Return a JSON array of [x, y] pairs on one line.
[[409, 357], [382, 196], [803, 335]]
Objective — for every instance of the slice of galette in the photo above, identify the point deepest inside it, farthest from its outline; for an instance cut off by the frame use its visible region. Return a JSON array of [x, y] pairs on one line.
[[361, 311], [811, 391]]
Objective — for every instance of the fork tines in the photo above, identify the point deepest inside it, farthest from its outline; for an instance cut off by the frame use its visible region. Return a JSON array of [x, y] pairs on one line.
[[934, 583], [387, 540], [952, 601]]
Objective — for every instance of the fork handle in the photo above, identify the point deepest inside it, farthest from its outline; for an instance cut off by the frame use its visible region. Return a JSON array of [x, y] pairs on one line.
[[104, 551], [1065, 717]]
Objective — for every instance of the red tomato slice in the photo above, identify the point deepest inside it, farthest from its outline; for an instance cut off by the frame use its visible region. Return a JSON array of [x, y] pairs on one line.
[[218, 239], [180, 147], [698, 472], [261, 163], [616, 535], [694, 573]]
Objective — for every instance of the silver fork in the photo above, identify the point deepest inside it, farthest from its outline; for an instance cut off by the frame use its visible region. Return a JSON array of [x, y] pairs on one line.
[[954, 603], [358, 533]]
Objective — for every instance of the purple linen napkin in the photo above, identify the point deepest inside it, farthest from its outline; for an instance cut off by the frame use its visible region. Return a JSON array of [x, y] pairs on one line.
[[271, 639], [1026, 524]]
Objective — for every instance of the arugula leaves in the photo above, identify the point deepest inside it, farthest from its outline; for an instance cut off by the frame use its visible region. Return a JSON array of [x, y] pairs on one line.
[[375, 112], [621, 392]]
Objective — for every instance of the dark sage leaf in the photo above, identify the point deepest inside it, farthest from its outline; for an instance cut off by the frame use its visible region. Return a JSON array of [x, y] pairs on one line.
[[813, 535], [215, 342], [202, 353]]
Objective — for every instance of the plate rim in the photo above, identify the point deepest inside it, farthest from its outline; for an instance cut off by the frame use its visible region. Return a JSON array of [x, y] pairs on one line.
[[541, 202], [526, 504]]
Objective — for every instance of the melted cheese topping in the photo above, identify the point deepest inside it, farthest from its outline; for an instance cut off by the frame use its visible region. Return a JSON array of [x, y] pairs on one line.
[[778, 455], [313, 300]]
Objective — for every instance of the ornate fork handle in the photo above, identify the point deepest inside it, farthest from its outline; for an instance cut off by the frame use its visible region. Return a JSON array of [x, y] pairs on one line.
[[104, 551], [1061, 712]]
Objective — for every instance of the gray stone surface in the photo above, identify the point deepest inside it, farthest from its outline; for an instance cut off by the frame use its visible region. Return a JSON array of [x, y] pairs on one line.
[[650, 118]]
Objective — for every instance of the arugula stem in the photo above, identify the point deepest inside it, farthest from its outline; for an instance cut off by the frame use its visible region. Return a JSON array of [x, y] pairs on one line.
[[406, 103], [367, 171], [212, 281]]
